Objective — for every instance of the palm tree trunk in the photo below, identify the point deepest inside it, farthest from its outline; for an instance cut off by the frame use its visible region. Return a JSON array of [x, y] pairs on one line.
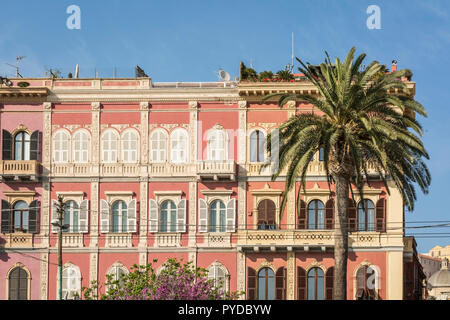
[[341, 238]]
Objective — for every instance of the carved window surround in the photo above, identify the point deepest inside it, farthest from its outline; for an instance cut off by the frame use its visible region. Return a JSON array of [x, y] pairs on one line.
[[263, 194], [76, 196], [221, 194], [162, 196], [14, 196], [316, 194], [112, 196], [20, 265]]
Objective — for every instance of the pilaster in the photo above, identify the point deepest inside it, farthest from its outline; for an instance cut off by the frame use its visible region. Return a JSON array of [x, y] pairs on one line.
[[290, 281], [95, 143], [143, 213], [44, 275], [192, 229], [241, 273], [46, 168], [94, 221], [193, 129], [242, 147]]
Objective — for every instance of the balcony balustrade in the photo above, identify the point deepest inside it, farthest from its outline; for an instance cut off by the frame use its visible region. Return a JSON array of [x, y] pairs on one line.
[[171, 170], [18, 240], [72, 240], [168, 240], [216, 170], [118, 240], [19, 169]]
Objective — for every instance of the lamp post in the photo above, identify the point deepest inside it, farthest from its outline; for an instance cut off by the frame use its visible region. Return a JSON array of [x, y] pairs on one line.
[[59, 223]]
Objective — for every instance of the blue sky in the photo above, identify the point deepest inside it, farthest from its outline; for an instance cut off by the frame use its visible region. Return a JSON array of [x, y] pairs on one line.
[[190, 40]]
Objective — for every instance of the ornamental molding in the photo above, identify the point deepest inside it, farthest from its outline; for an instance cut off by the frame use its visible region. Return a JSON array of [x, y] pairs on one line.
[[221, 192], [266, 126], [218, 126], [120, 127], [145, 105], [95, 106], [267, 191], [193, 105], [242, 104], [71, 127], [20, 127], [266, 264], [291, 104], [47, 106], [315, 264], [168, 126]]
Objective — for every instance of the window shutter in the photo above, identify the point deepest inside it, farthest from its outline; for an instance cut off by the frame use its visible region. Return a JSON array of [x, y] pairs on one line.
[[301, 284], [6, 216], [7, 145], [302, 215], [231, 215], [153, 213], [33, 218], [84, 216], [280, 284], [381, 215], [351, 215], [181, 216], [34, 145], [329, 283], [54, 215], [202, 216], [132, 216], [251, 284], [329, 214], [104, 216]]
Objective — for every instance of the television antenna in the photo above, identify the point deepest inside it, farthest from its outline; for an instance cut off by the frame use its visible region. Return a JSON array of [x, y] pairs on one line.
[[290, 66], [18, 58], [223, 75]]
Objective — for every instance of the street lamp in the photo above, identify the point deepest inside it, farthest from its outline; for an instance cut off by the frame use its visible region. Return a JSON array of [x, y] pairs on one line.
[[59, 224]]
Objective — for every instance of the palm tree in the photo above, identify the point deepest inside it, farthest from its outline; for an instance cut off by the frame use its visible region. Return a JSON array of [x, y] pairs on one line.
[[366, 117]]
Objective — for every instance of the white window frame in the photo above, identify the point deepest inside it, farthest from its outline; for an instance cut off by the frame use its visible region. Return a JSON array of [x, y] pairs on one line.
[[250, 145], [70, 289], [58, 152], [159, 155], [179, 154], [169, 216], [81, 155], [114, 271], [112, 155], [129, 152], [212, 275], [71, 216], [213, 149], [121, 209]]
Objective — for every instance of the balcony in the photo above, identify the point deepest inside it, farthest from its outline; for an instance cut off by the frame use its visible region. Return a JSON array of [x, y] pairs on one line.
[[168, 240], [120, 169], [19, 170], [72, 240], [72, 169], [171, 170], [216, 240], [216, 170], [18, 240], [118, 240], [305, 239]]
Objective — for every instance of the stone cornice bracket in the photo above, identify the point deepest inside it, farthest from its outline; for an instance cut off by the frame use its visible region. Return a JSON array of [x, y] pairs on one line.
[[291, 104], [145, 105], [193, 104], [47, 106], [242, 104], [95, 106]]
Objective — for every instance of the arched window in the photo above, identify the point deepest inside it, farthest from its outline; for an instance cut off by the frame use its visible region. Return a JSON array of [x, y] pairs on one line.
[[71, 215], [217, 145], [110, 143], [217, 216], [61, 146], [257, 142], [316, 215], [130, 146], [22, 146], [21, 216], [71, 285], [81, 146], [158, 146], [316, 284], [168, 217], [117, 271], [366, 215], [217, 273], [266, 215], [119, 216], [18, 284], [178, 146], [365, 283], [266, 284]]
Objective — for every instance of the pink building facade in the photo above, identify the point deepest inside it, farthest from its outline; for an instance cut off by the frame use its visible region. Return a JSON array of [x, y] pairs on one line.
[[159, 170]]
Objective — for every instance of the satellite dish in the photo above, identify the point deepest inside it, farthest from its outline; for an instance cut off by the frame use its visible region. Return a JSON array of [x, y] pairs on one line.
[[223, 75]]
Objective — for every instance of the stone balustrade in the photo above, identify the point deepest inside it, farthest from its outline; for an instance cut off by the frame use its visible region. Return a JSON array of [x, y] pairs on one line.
[[19, 169]]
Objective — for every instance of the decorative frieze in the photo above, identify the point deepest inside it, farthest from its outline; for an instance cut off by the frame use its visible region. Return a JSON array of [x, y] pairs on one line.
[[44, 276], [168, 126]]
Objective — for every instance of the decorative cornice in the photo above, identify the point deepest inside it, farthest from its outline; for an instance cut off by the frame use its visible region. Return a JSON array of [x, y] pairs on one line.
[[145, 105], [242, 104], [266, 191], [221, 192], [47, 106], [193, 104]]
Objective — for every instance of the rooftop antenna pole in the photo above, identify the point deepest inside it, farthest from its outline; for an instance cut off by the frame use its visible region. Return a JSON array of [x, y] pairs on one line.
[[292, 61], [18, 58]]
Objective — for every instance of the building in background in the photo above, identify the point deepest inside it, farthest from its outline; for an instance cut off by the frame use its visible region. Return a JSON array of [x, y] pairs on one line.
[[430, 265], [440, 252], [414, 279], [439, 282], [158, 170]]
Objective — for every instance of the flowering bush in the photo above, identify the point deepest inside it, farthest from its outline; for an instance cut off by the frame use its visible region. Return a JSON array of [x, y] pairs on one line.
[[176, 281]]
